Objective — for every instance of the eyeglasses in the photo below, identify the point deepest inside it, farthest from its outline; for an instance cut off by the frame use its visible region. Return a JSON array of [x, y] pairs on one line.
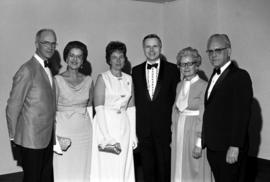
[[73, 56], [48, 44], [217, 51], [189, 64]]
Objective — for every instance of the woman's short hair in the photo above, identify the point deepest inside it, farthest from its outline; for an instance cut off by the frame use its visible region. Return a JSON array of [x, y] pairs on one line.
[[76, 45], [189, 52], [115, 46]]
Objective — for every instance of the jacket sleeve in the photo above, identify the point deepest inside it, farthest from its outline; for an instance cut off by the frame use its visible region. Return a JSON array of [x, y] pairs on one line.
[[241, 103], [20, 87]]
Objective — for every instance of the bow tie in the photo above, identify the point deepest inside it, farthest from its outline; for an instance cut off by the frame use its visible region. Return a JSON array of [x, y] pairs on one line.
[[46, 63], [149, 66], [217, 71]]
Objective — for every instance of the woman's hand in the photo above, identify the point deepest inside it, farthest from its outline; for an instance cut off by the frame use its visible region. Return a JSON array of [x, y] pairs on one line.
[[197, 152], [134, 143]]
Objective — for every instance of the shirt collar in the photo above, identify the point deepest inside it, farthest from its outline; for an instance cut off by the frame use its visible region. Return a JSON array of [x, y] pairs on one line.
[[194, 79], [39, 59], [224, 66], [157, 61]]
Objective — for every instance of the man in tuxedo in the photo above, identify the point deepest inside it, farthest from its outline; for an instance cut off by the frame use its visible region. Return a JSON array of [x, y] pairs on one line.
[[155, 82], [31, 110], [228, 101]]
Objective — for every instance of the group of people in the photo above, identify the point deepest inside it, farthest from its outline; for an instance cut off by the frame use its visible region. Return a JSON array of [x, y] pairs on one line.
[[185, 130]]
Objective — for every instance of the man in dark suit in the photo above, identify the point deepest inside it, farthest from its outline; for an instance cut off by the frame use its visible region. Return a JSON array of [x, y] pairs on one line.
[[31, 111], [227, 111], [155, 82]]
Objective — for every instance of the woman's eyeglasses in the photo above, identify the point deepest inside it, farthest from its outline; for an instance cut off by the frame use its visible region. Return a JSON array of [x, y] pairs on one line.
[[188, 64]]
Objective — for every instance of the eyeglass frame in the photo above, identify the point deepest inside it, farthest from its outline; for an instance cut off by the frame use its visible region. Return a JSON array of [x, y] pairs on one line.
[[217, 51], [48, 44], [188, 64], [73, 56]]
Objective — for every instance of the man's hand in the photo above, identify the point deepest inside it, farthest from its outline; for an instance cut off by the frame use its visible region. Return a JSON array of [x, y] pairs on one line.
[[232, 155]]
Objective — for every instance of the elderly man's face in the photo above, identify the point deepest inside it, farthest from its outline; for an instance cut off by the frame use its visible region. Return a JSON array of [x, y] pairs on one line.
[[46, 44], [218, 53], [152, 49]]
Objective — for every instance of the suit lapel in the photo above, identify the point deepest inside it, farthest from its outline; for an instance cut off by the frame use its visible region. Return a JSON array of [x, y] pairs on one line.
[[207, 88], [144, 81], [42, 71], [159, 80], [219, 81]]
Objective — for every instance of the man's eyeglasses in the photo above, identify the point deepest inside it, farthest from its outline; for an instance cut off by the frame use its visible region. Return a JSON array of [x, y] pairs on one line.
[[217, 51], [48, 44], [188, 64]]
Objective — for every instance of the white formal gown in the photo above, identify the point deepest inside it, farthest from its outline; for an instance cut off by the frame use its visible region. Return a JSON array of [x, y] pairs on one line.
[[107, 167]]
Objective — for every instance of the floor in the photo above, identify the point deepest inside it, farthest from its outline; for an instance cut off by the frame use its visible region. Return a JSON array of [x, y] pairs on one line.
[[258, 171], [14, 177]]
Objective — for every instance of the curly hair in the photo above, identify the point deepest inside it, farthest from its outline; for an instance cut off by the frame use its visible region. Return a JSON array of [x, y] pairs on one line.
[[191, 52], [115, 46]]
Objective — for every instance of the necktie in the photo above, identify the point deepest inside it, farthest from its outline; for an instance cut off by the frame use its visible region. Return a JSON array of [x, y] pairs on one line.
[[217, 71], [46, 63], [149, 66]]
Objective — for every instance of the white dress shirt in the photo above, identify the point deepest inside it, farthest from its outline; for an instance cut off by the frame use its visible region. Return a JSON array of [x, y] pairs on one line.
[[47, 70], [151, 77], [215, 78]]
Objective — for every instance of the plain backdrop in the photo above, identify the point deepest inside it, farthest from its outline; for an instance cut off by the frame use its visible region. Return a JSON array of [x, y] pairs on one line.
[[179, 23]]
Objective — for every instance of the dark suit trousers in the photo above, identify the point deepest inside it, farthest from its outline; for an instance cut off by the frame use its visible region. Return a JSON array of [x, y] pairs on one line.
[[37, 164], [156, 159], [223, 171]]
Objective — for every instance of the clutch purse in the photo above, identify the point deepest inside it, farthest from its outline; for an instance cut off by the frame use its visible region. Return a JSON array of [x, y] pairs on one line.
[[64, 142], [111, 148]]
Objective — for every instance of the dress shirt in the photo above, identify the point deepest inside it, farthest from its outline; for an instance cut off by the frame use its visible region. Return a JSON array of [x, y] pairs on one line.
[[47, 70], [215, 78], [151, 77]]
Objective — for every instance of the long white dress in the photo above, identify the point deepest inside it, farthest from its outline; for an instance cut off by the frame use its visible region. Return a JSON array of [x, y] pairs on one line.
[[73, 121], [107, 167]]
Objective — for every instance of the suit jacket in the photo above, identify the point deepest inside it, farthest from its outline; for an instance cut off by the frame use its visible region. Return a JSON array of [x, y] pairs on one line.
[[31, 107], [227, 110], [153, 117]]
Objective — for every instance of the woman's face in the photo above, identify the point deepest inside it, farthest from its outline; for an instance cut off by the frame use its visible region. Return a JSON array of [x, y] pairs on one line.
[[188, 67], [117, 60], [75, 58]]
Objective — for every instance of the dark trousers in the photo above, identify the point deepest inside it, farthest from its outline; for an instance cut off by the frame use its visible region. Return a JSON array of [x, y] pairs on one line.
[[156, 159], [37, 164], [223, 171]]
